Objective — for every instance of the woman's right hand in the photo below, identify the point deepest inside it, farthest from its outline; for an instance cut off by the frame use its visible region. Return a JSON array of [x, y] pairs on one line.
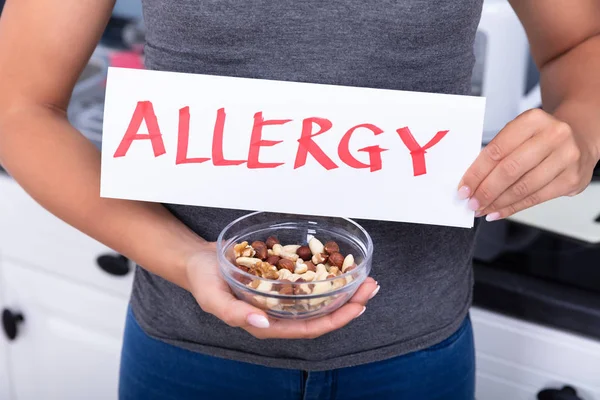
[[214, 296]]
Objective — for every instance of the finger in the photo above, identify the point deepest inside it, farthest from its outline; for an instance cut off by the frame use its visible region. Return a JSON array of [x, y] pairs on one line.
[[531, 182], [216, 298], [553, 190], [365, 292], [506, 141], [310, 329], [508, 171]]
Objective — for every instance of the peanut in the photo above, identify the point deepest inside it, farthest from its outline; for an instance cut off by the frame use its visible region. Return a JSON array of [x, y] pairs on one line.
[[277, 248]]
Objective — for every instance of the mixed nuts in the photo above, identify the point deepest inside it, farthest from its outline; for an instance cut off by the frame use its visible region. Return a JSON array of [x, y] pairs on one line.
[[310, 267]]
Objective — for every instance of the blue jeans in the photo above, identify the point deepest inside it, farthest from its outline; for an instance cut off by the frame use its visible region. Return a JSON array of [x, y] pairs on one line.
[[152, 369]]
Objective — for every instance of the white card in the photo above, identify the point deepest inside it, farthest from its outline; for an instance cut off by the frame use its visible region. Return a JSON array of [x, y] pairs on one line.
[[288, 147]]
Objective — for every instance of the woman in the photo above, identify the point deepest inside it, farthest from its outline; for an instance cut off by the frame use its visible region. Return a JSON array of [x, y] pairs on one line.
[[186, 335]]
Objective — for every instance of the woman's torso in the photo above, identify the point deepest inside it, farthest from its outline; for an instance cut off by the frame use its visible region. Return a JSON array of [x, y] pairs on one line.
[[421, 45]]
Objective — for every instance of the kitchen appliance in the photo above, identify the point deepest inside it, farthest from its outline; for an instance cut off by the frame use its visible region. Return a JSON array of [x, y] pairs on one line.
[[502, 67]]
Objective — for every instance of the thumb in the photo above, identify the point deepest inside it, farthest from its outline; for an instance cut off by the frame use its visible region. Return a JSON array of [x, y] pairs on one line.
[[218, 300]]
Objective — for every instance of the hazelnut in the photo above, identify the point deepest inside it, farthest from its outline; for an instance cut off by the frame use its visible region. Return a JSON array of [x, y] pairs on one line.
[[315, 245], [330, 247], [319, 258], [287, 264], [271, 241], [260, 249], [310, 266], [287, 290], [304, 253], [273, 260], [336, 259]]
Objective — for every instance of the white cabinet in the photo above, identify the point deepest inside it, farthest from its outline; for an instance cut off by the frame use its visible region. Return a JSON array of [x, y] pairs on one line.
[[68, 345], [34, 237], [516, 359], [4, 371]]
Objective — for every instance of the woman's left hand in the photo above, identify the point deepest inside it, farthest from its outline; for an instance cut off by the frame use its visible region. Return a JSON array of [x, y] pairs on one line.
[[535, 158]]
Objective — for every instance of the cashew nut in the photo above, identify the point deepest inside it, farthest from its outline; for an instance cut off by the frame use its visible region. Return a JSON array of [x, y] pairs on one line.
[[300, 269], [319, 288], [321, 269], [247, 262], [284, 273], [318, 258], [308, 276]]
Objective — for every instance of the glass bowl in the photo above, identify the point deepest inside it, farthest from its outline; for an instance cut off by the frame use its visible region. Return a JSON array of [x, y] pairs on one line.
[[299, 296]]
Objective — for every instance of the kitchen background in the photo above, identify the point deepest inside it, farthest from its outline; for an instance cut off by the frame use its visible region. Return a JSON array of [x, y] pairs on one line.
[[536, 312]]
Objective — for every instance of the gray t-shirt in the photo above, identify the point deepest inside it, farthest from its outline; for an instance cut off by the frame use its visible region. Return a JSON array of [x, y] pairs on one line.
[[424, 271]]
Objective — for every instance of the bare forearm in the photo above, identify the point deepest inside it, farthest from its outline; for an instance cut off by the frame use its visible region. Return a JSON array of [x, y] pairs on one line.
[[571, 90], [60, 169]]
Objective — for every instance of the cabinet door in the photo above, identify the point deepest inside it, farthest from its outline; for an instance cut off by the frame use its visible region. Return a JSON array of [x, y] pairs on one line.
[[30, 235], [68, 345]]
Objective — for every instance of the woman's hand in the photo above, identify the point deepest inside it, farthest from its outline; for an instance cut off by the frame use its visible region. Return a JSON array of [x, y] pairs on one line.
[[214, 297], [535, 158]]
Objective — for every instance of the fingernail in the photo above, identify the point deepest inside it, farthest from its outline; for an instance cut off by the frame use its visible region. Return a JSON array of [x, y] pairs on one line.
[[473, 204], [361, 313], [463, 193], [258, 321], [478, 213], [374, 292], [492, 217]]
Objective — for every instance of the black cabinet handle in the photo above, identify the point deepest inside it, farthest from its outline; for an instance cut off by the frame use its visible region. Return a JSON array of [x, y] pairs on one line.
[[10, 323], [114, 264], [566, 393]]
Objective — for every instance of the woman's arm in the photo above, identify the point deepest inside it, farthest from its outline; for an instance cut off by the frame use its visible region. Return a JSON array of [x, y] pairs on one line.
[[565, 43], [541, 155], [44, 46]]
